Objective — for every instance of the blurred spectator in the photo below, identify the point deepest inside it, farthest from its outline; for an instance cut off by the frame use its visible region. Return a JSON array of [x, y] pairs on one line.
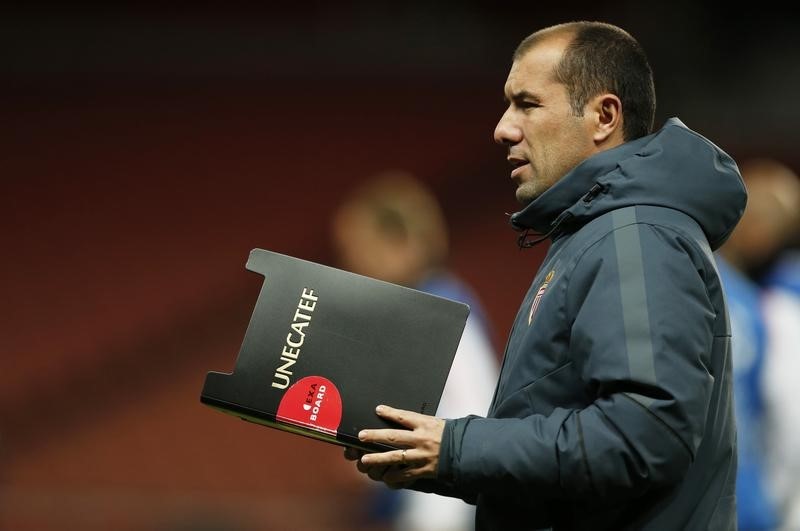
[[755, 505], [775, 211], [392, 228], [781, 378], [768, 221]]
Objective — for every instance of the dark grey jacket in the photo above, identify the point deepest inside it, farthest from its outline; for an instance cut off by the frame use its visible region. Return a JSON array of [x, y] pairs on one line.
[[613, 409]]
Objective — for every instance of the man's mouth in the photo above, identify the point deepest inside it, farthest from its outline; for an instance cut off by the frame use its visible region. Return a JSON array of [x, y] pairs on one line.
[[517, 165]]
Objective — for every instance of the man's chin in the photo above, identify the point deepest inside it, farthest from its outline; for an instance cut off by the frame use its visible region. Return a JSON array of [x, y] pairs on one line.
[[525, 194]]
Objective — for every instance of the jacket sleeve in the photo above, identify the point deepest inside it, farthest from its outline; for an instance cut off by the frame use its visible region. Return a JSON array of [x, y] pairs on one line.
[[641, 336]]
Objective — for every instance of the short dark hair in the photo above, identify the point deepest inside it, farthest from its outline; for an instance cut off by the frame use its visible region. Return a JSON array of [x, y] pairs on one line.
[[603, 57]]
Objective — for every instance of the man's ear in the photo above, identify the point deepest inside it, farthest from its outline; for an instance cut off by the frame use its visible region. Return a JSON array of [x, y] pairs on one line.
[[607, 109]]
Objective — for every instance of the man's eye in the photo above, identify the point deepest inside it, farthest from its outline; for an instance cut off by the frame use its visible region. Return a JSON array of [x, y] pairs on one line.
[[528, 105]]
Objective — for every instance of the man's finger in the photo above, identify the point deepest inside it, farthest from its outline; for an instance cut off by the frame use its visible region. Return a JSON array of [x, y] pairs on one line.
[[409, 419], [395, 457], [352, 454], [375, 472], [399, 476], [387, 436]]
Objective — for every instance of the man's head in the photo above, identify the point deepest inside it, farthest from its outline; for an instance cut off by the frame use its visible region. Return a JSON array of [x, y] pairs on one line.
[[391, 228], [771, 218], [573, 90]]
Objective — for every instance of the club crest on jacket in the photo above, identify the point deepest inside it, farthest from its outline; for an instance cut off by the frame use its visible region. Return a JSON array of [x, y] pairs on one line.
[[539, 294]]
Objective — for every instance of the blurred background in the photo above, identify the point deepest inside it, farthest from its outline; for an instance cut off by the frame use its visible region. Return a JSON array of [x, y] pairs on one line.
[[147, 148]]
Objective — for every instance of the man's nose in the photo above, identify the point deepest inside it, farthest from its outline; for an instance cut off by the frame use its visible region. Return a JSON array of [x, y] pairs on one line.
[[507, 132]]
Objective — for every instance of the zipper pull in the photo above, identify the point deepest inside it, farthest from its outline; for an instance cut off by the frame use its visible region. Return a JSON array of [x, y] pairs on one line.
[[594, 192]]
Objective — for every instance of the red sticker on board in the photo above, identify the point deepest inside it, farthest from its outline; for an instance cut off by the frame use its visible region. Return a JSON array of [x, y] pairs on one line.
[[312, 402]]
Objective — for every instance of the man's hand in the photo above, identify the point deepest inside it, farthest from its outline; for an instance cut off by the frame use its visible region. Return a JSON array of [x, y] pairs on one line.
[[419, 454]]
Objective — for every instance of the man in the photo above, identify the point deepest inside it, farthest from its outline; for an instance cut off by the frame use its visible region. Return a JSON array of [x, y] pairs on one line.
[[766, 360], [391, 227], [753, 241], [613, 408], [764, 398]]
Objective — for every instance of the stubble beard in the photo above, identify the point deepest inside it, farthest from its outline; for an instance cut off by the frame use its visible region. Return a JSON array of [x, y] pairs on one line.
[[527, 192]]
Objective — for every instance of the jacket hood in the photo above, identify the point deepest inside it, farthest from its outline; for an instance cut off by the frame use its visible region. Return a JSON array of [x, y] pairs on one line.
[[675, 168]]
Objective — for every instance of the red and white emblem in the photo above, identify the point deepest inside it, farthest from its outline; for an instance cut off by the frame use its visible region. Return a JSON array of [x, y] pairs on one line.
[[539, 294]]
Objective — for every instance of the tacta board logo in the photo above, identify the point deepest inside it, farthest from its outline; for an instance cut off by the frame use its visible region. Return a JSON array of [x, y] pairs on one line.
[[314, 398], [313, 402]]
